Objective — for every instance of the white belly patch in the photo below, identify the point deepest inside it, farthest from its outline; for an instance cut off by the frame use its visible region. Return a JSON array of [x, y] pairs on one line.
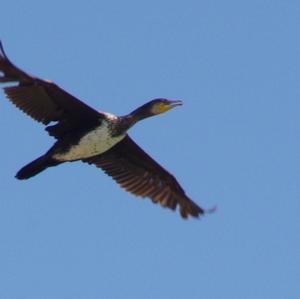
[[94, 143]]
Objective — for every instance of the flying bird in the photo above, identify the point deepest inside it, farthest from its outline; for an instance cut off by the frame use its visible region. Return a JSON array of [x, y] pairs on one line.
[[99, 138]]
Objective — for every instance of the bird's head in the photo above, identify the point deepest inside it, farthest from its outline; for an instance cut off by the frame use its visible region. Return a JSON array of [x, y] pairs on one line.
[[154, 107], [158, 106]]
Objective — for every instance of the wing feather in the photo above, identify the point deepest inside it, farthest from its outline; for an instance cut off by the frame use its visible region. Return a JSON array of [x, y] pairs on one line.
[[43, 100], [136, 172]]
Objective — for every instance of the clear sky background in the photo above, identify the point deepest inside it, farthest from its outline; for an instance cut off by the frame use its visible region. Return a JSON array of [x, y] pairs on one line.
[[72, 233]]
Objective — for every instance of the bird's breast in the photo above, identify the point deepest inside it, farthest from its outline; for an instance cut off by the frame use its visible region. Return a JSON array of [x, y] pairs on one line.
[[94, 142]]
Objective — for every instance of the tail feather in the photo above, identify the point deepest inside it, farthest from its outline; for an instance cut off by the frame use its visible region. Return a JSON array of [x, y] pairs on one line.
[[35, 167]]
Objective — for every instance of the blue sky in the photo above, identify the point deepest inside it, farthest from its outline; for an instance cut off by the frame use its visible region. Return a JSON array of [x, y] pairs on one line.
[[72, 233]]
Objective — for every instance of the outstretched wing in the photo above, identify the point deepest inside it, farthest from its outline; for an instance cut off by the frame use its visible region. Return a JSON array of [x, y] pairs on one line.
[[136, 172], [43, 100]]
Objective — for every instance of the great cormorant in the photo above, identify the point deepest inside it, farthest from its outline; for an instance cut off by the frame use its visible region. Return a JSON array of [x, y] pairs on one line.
[[94, 137]]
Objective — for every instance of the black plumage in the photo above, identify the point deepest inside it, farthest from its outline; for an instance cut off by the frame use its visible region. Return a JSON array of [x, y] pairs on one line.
[[98, 138]]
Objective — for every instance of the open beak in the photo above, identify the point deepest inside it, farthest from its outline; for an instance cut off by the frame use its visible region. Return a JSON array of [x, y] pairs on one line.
[[173, 104]]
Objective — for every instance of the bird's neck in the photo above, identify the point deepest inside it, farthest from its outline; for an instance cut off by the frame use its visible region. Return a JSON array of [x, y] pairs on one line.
[[138, 114], [122, 125], [125, 122]]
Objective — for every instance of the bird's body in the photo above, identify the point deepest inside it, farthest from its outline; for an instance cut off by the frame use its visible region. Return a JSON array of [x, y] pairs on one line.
[[91, 143], [99, 138]]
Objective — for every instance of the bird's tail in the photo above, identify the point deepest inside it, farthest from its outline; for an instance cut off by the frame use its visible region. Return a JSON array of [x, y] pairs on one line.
[[35, 167]]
